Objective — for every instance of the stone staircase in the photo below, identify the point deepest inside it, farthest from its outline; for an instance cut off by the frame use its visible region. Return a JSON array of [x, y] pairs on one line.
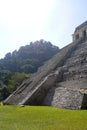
[[71, 91]]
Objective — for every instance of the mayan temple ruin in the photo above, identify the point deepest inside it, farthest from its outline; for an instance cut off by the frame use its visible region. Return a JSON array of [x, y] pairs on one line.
[[61, 81]]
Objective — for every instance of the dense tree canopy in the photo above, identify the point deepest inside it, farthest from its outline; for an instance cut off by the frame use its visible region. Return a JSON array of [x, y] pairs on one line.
[[28, 58]]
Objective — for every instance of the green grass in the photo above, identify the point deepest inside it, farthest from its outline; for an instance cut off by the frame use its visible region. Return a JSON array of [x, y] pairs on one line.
[[41, 118]]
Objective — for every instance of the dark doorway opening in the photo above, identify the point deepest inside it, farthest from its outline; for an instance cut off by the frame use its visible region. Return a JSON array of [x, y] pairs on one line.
[[84, 33], [77, 36], [84, 102]]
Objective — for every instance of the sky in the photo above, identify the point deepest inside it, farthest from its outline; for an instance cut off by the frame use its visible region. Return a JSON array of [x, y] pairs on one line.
[[25, 21]]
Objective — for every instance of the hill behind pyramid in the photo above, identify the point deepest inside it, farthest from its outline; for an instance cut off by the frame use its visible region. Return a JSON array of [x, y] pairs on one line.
[[61, 82]]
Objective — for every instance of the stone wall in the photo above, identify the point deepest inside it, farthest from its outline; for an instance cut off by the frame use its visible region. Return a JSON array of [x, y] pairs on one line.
[[66, 98]]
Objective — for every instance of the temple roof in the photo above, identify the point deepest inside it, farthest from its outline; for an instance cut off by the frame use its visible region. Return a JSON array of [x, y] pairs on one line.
[[81, 25]]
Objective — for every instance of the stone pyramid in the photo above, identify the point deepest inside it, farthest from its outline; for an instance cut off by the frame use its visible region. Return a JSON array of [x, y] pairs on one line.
[[61, 81]]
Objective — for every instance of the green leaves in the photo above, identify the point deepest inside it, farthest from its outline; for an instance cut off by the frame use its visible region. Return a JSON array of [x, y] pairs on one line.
[[10, 83]]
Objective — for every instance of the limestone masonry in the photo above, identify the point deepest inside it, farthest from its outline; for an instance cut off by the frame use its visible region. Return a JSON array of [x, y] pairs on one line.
[[80, 31], [62, 81]]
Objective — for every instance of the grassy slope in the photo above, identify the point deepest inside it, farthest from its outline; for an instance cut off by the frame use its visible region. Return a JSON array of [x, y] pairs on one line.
[[41, 118]]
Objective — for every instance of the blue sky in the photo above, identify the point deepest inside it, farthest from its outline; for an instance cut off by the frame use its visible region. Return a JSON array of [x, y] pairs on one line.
[[23, 21]]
